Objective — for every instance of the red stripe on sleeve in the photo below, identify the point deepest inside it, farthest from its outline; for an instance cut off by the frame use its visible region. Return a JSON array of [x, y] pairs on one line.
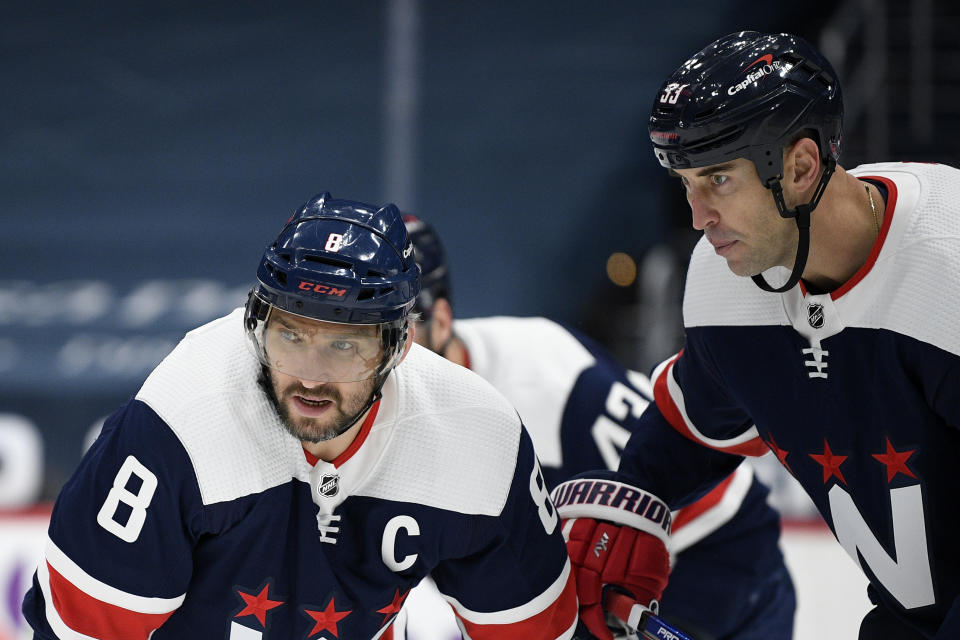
[[85, 614], [670, 411], [661, 396], [753, 448], [705, 503], [550, 623]]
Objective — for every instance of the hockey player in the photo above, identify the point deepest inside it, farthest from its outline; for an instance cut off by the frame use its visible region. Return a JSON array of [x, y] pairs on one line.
[[728, 578], [281, 474], [848, 370]]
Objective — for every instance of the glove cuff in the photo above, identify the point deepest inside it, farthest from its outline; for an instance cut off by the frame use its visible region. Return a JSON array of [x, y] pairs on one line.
[[615, 502]]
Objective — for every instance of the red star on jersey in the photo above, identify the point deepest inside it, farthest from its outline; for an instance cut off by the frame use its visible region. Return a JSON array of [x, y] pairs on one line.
[[831, 463], [258, 605], [327, 619], [394, 606], [780, 453], [896, 461]]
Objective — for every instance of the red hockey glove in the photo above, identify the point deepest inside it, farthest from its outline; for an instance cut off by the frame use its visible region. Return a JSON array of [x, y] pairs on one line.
[[616, 535]]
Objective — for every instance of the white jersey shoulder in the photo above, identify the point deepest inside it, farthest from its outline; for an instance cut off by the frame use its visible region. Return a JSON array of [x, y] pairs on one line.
[[454, 438], [535, 362], [206, 391], [914, 286]]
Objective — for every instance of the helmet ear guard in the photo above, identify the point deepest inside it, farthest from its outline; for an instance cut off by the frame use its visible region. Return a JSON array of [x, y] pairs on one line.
[[394, 340], [255, 311]]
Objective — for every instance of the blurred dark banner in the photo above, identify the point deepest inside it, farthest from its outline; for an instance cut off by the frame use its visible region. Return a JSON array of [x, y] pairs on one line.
[[149, 151]]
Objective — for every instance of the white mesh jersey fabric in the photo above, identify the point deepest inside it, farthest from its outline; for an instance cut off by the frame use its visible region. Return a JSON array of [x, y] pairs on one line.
[[454, 439], [206, 392], [534, 362], [714, 296], [912, 289]]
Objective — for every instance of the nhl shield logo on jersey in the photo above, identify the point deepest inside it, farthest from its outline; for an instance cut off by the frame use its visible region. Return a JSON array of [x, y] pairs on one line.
[[329, 485], [815, 315]]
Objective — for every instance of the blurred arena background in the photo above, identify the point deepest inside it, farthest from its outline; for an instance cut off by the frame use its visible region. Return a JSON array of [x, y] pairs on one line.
[[150, 150]]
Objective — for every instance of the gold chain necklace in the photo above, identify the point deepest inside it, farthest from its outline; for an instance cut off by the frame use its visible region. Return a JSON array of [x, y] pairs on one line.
[[873, 207]]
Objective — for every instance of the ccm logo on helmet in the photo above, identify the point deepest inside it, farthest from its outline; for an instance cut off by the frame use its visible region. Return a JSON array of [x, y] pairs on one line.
[[316, 287], [753, 76]]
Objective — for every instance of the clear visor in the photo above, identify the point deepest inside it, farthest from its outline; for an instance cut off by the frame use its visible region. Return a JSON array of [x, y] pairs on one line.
[[319, 351]]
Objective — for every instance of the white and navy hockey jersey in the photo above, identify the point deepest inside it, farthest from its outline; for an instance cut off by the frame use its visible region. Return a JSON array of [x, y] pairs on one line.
[[857, 392], [196, 515], [580, 407]]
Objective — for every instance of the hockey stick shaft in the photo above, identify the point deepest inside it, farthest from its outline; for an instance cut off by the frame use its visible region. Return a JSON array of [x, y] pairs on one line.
[[641, 620]]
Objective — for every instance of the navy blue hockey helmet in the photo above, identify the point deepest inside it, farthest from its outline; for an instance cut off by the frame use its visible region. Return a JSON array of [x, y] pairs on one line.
[[749, 95], [432, 259], [343, 262]]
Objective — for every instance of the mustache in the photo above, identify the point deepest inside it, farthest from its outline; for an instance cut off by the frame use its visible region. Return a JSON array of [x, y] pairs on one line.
[[322, 392]]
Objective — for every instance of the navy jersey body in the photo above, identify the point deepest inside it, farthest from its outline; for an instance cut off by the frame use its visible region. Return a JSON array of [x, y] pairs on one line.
[[580, 406], [196, 515], [857, 392]]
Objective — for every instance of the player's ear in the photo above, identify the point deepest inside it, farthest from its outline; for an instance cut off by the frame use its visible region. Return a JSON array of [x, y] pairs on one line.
[[802, 165], [441, 325]]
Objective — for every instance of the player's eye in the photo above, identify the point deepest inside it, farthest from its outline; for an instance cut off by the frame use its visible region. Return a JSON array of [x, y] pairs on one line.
[[718, 179], [342, 346], [290, 336]]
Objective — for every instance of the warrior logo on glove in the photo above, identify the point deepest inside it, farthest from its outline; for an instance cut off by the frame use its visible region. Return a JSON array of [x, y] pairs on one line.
[[593, 498]]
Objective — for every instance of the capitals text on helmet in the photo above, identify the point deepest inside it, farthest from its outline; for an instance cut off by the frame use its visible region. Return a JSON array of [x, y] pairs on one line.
[[753, 76]]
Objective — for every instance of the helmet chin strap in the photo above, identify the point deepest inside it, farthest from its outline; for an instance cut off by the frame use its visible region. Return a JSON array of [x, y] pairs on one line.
[[802, 216], [374, 397]]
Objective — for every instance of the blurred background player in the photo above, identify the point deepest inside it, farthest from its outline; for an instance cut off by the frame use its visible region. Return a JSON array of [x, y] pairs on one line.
[[820, 313], [281, 474], [728, 579]]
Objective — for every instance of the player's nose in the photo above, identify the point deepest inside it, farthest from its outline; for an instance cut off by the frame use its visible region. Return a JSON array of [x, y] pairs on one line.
[[310, 384], [316, 374], [703, 213]]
